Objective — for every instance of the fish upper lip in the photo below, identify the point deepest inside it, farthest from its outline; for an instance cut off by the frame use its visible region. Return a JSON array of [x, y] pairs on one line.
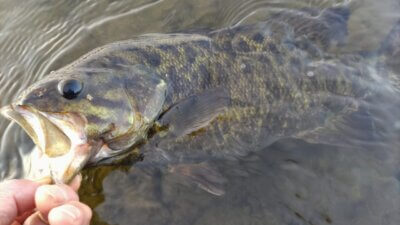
[[17, 114], [43, 132]]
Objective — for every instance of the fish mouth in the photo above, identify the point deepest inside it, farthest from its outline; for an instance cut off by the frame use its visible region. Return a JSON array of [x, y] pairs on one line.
[[59, 136]]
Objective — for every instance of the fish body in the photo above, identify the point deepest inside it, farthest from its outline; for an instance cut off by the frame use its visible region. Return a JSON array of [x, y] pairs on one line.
[[191, 96]]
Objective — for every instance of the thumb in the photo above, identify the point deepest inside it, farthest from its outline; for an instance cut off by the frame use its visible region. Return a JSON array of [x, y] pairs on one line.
[[16, 198]]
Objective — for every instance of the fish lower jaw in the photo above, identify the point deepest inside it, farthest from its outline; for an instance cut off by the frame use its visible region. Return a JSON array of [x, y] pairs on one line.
[[64, 168]]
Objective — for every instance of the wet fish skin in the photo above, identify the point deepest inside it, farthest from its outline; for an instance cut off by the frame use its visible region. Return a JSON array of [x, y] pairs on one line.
[[279, 84], [280, 80]]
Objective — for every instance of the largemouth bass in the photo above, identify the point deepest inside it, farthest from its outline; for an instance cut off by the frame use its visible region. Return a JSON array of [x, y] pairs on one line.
[[181, 98]]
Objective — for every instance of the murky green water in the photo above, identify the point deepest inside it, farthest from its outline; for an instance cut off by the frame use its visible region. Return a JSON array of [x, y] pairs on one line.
[[290, 182]]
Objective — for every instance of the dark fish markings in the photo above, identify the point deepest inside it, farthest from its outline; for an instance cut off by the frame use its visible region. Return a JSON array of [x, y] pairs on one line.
[[190, 54], [258, 38], [272, 70]]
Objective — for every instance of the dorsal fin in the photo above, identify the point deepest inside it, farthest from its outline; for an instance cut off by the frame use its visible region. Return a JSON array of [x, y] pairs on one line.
[[327, 28], [324, 29]]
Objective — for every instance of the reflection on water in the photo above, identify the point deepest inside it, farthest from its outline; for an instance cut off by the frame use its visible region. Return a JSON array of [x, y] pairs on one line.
[[290, 182]]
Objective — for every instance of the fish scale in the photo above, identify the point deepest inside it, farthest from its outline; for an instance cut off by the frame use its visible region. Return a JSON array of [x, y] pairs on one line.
[[190, 97]]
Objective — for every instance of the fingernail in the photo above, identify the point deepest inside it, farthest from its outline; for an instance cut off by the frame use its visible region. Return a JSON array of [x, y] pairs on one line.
[[69, 212], [78, 178], [41, 217], [76, 182], [56, 193], [44, 180]]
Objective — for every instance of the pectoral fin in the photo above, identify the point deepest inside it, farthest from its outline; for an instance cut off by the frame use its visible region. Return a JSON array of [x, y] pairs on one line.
[[201, 174], [195, 112]]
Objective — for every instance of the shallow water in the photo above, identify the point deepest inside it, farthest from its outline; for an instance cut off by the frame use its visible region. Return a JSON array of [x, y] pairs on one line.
[[290, 182]]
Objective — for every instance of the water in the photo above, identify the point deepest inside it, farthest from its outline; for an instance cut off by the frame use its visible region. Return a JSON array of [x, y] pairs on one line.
[[290, 182]]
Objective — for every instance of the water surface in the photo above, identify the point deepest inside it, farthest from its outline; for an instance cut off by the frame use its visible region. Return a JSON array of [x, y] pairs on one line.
[[291, 182]]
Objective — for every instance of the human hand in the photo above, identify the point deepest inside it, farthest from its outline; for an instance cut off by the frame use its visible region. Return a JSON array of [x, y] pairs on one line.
[[30, 203]]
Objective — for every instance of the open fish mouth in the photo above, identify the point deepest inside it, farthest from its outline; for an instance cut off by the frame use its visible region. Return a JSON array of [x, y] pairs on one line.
[[59, 136]]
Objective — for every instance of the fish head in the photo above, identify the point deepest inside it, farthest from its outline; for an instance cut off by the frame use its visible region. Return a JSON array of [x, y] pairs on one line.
[[74, 115]]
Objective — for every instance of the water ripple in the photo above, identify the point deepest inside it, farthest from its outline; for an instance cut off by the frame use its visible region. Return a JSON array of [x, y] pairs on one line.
[[39, 36]]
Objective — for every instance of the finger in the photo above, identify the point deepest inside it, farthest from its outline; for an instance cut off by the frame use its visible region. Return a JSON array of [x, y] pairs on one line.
[[76, 182], [51, 196], [21, 218], [34, 219], [72, 213], [16, 197]]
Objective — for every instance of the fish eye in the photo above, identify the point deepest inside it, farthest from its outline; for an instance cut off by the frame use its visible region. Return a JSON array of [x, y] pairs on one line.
[[70, 89]]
